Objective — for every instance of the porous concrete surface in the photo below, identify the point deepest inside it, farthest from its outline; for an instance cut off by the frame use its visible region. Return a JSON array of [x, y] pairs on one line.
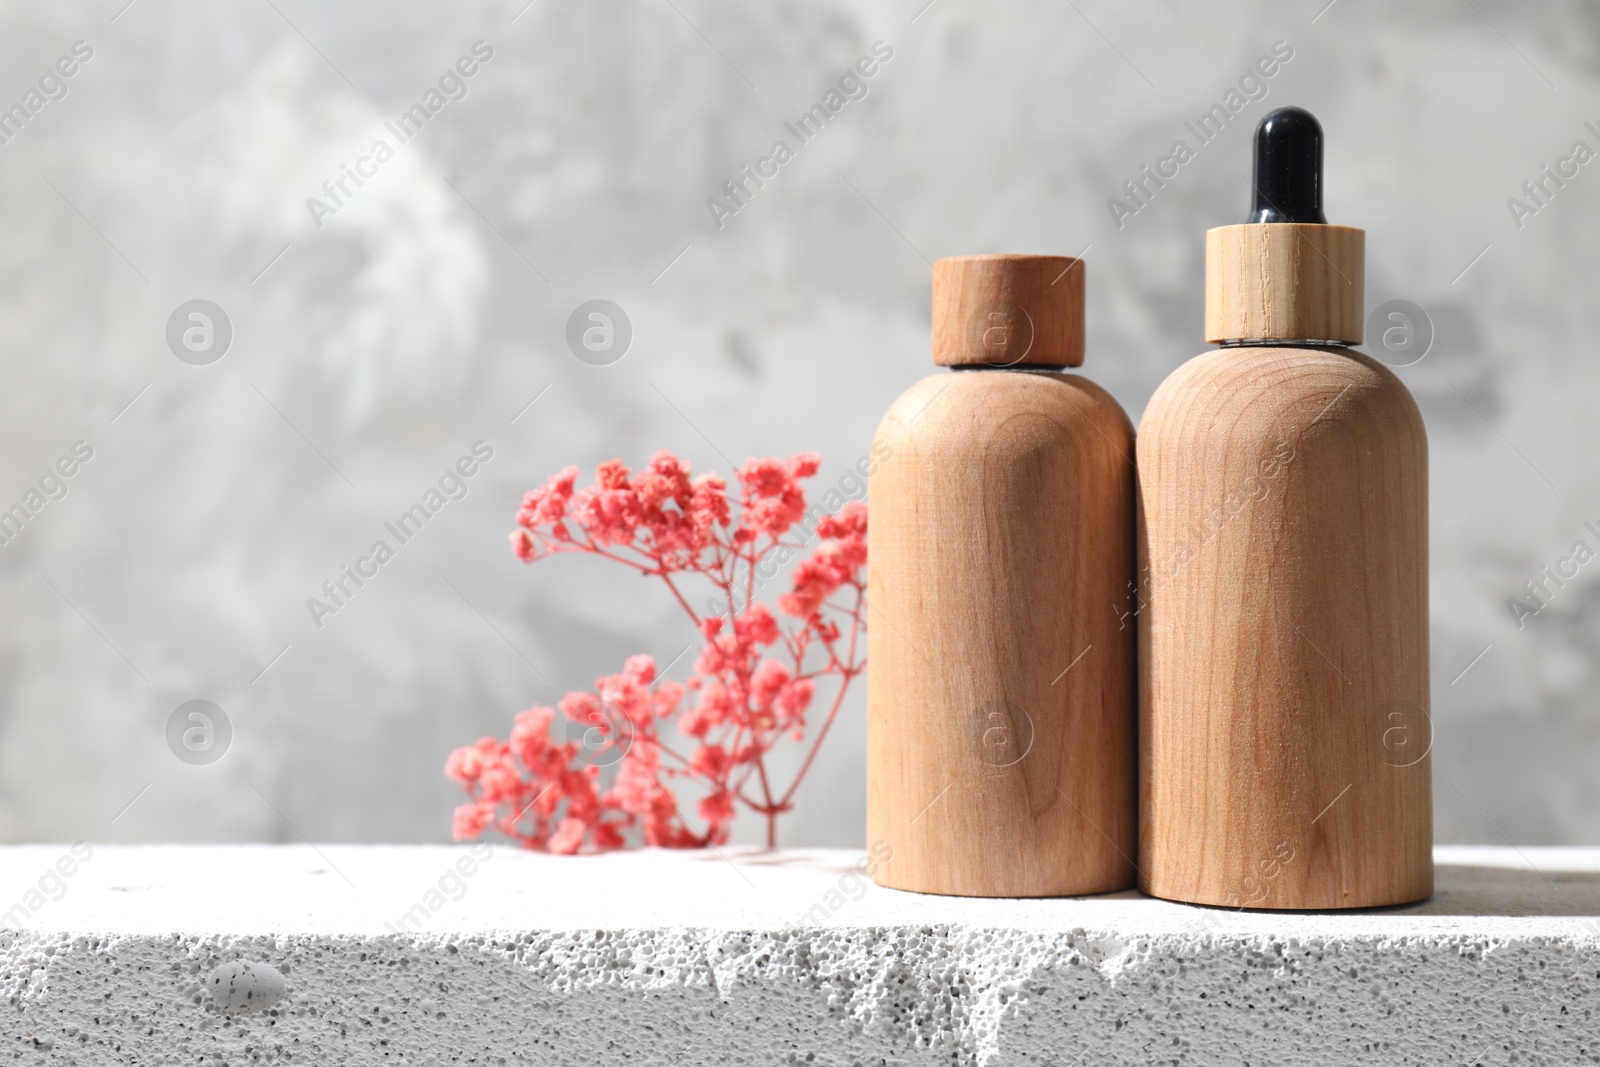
[[139, 954]]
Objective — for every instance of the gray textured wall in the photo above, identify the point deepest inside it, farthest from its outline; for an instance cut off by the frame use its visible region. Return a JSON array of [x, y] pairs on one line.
[[430, 309]]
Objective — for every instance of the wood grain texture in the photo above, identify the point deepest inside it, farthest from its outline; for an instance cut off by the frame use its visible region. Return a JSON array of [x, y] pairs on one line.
[[1286, 281], [1283, 556], [1005, 310], [1001, 705]]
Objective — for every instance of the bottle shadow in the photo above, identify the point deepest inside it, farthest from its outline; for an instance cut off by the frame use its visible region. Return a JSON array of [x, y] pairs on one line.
[[1460, 888], [1471, 889]]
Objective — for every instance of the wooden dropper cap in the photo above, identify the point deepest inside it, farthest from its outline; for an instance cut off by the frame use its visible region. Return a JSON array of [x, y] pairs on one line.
[[1008, 311], [1286, 276]]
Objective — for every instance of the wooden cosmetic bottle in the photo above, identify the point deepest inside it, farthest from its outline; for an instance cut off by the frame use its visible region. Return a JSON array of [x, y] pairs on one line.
[[1283, 553], [1000, 696]]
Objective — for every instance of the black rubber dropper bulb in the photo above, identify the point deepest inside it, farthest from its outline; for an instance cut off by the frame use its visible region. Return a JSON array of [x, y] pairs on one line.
[[1288, 168]]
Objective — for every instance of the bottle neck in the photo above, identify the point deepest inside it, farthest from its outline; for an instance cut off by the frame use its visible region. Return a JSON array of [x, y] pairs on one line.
[[1018, 368], [1283, 342]]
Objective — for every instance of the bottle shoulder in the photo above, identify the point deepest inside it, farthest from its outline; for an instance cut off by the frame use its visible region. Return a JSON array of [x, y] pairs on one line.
[[960, 402], [1248, 389]]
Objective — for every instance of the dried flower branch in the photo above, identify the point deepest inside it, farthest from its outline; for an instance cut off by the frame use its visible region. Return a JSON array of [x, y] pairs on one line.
[[752, 685]]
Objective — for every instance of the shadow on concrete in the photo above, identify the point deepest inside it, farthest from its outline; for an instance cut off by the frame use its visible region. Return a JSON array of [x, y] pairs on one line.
[[1464, 889]]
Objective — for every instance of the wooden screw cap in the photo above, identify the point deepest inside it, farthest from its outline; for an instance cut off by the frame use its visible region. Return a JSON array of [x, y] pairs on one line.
[[1008, 311], [1285, 281]]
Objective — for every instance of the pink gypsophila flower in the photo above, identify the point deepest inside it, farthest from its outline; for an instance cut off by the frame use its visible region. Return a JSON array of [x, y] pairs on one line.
[[591, 774]]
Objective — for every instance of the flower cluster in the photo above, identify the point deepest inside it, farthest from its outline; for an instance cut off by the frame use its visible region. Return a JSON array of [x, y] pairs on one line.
[[608, 772]]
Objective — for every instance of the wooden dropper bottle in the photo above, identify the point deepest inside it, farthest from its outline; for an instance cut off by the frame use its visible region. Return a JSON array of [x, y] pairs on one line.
[[1283, 552], [1000, 697]]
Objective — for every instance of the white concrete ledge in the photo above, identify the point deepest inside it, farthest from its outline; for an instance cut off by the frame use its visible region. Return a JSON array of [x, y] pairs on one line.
[[245, 955]]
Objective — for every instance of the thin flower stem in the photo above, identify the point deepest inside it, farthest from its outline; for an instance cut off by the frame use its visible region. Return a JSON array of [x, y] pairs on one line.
[[663, 746], [838, 701], [682, 602], [594, 549], [750, 578], [846, 677]]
